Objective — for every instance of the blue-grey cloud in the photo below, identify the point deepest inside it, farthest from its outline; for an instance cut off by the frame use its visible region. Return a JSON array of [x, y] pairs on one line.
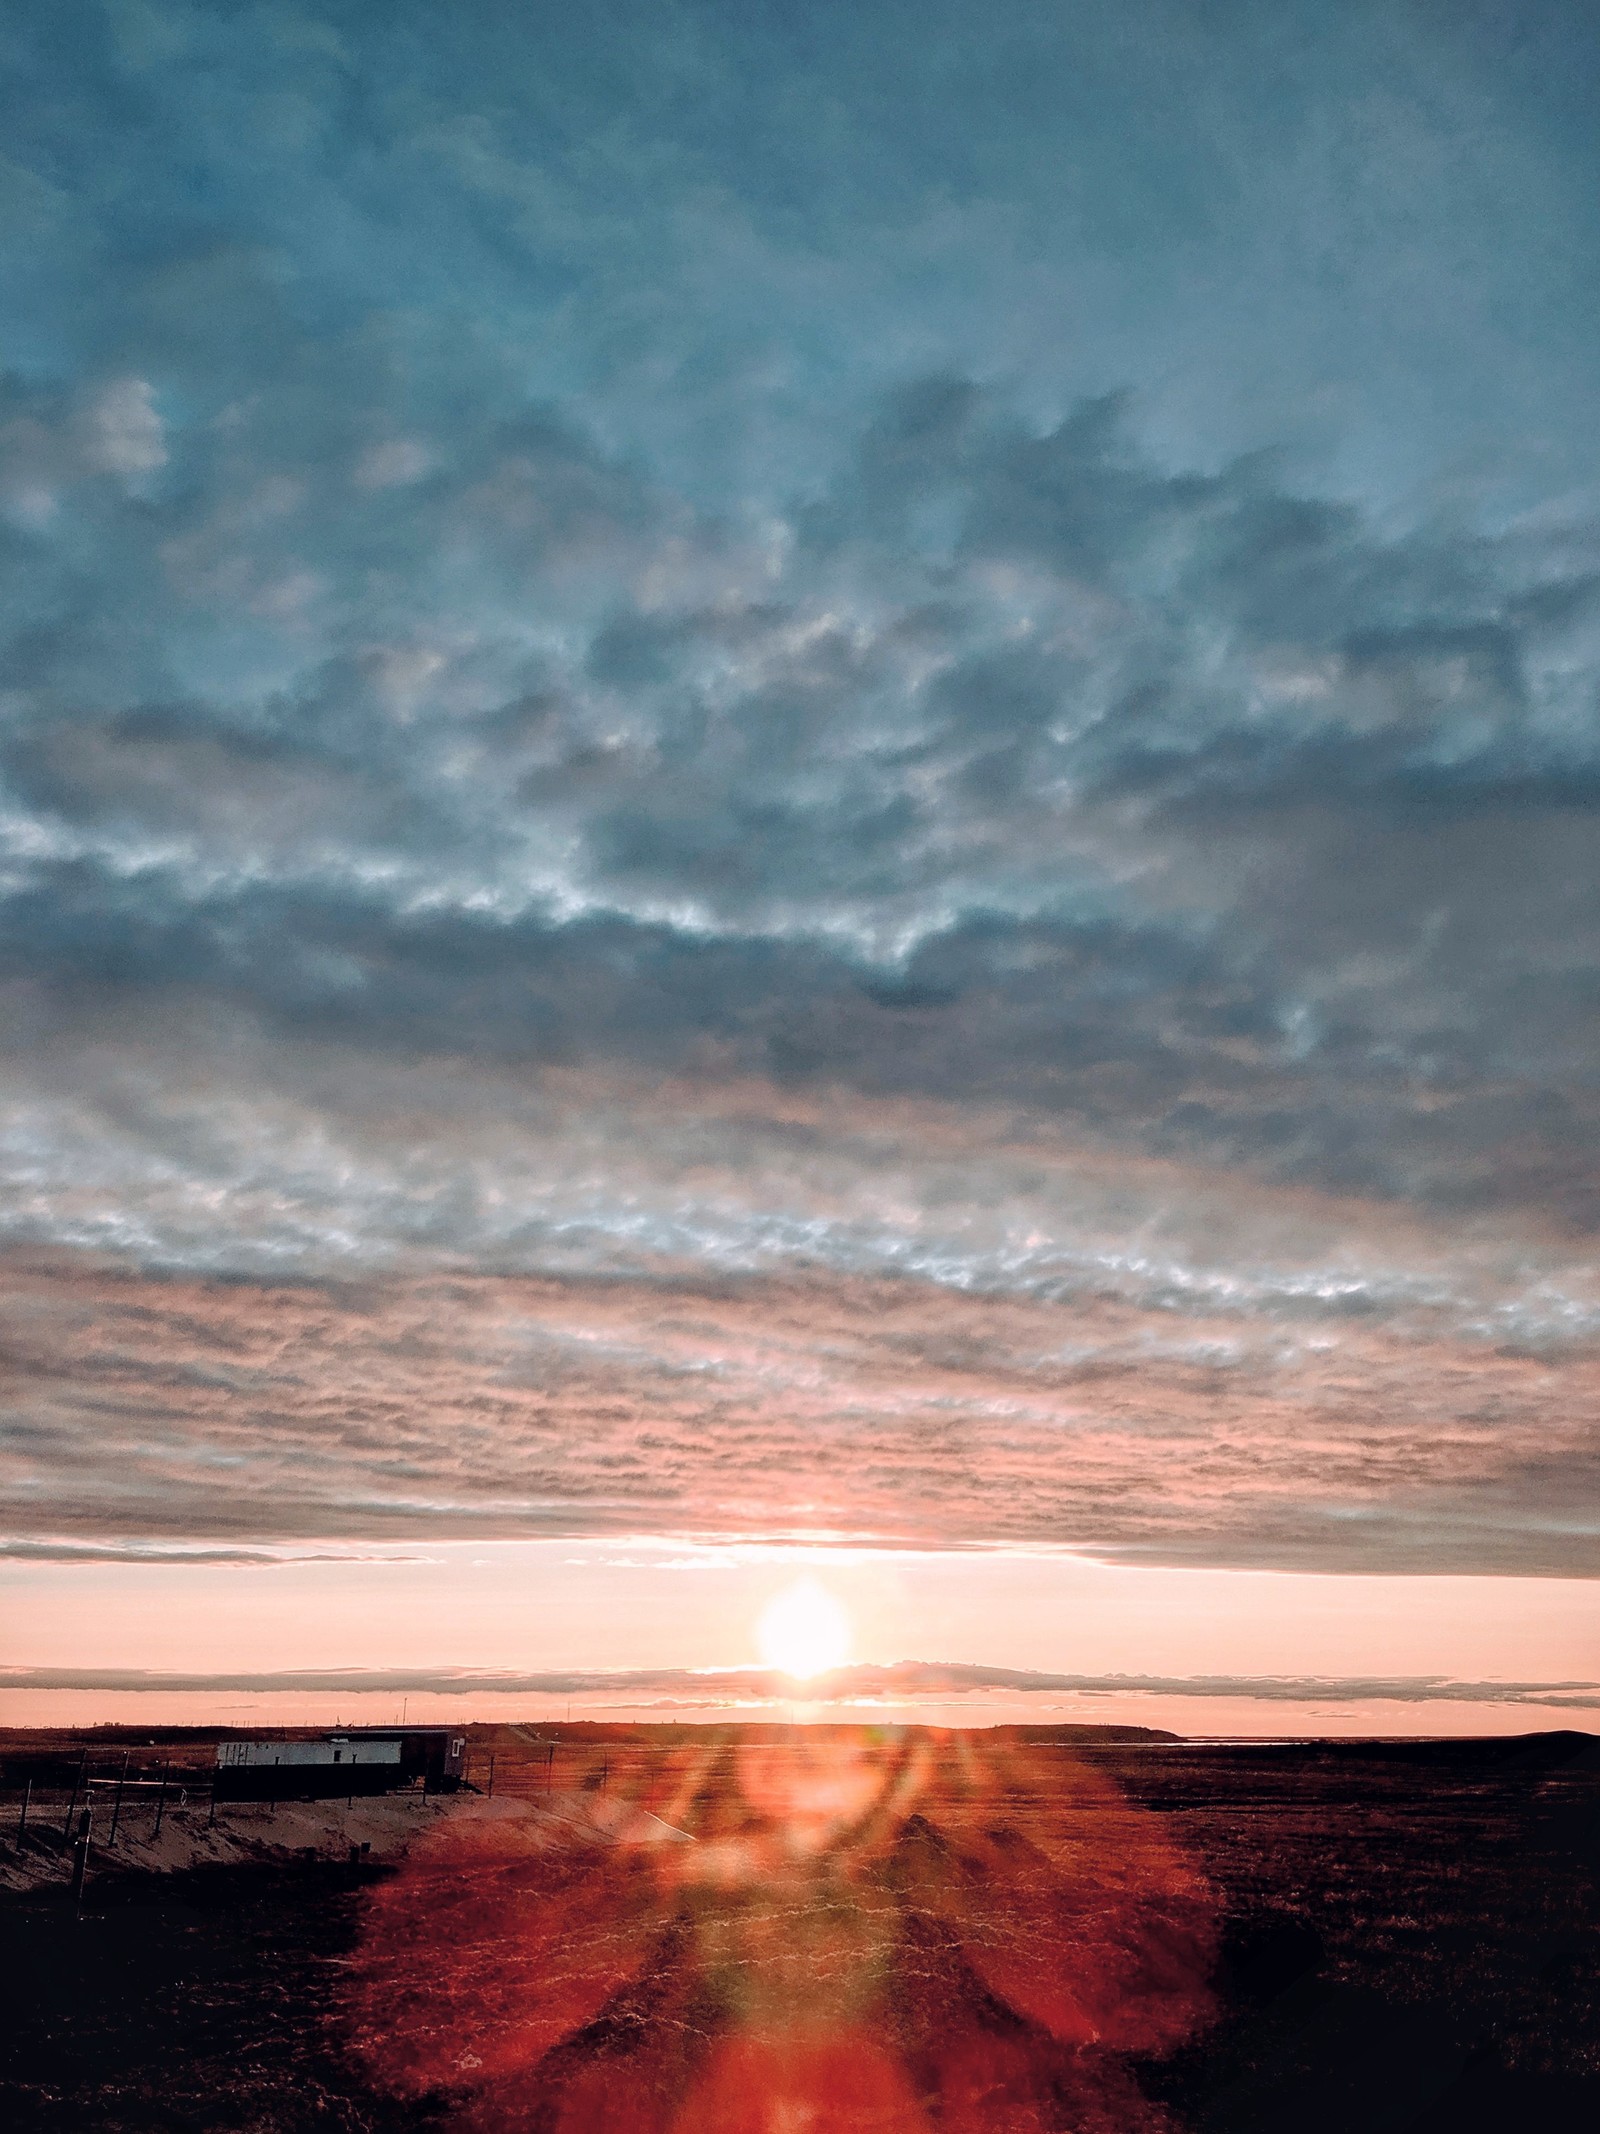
[[1184, 803], [675, 647]]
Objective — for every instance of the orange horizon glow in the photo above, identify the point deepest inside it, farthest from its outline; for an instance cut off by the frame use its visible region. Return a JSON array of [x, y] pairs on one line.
[[652, 1605]]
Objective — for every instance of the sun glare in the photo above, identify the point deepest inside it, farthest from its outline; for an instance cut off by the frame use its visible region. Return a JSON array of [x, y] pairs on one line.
[[803, 1631]]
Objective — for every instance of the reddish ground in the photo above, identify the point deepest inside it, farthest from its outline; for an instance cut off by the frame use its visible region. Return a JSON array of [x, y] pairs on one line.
[[663, 1929]]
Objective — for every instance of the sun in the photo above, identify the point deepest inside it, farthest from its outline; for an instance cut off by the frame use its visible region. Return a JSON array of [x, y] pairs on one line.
[[803, 1631]]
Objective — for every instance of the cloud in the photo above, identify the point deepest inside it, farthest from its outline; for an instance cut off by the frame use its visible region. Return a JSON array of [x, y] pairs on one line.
[[907, 1678], [1036, 813], [125, 432], [894, 1410], [1182, 804], [17, 1550], [748, 778]]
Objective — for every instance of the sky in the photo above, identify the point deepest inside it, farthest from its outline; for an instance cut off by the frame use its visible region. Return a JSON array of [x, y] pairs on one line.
[[802, 788]]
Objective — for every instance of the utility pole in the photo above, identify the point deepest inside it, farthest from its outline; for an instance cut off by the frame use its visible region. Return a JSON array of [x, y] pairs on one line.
[[22, 1819], [491, 1774], [161, 1800]]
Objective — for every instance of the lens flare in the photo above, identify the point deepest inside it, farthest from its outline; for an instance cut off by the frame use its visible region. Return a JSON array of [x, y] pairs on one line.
[[834, 1929], [803, 1631]]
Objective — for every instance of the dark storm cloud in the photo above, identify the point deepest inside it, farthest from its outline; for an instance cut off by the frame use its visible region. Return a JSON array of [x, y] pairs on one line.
[[889, 649]]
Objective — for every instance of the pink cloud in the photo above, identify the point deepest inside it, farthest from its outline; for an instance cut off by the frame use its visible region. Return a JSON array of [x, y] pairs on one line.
[[812, 1405]]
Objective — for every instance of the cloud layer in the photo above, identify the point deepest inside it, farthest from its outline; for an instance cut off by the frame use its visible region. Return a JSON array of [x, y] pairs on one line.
[[1010, 769], [654, 878], [895, 1408], [905, 1678]]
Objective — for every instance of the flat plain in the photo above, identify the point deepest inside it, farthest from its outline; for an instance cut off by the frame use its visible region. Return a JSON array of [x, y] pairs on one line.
[[848, 1928]]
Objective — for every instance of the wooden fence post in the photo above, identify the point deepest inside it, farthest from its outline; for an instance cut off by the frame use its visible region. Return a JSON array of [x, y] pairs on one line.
[[80, 1857], [116, 1804], [72, 1804]]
